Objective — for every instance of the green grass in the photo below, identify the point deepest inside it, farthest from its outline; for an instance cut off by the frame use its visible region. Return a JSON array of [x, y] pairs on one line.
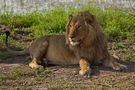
[[116, 24]]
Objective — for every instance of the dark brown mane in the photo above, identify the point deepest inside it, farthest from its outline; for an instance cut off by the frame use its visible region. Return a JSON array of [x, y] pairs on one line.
[[94, 46]]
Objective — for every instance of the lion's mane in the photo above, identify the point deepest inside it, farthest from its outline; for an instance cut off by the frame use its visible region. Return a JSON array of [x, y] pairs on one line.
[[94, 46]]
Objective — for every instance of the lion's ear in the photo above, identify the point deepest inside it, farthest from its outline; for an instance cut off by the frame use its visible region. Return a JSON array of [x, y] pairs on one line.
[[70, 17], [89, 18]]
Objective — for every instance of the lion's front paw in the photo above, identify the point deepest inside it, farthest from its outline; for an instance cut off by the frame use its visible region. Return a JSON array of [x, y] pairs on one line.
[[87, 73], [119, 67], [34, 65], [82, 72]]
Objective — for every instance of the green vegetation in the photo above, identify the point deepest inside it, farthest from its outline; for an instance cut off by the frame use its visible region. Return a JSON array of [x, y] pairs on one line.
[[114, 22], [117, 25]]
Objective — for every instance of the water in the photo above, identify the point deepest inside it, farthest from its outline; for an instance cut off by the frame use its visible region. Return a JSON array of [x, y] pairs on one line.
[[26, 6]]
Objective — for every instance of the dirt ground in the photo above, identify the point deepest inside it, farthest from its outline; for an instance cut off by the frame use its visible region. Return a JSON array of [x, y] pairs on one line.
[[16, 75], [19, 76]]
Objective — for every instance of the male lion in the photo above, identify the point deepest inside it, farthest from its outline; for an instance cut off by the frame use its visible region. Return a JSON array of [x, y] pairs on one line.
[[84, 44]]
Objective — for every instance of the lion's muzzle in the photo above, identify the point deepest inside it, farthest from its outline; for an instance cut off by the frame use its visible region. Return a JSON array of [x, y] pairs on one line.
[[73, 41]]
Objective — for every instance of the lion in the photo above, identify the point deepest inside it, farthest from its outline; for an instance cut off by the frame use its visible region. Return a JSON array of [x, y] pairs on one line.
[[83, 44]]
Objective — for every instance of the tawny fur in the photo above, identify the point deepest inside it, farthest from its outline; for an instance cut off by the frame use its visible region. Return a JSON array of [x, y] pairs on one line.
[[84, 39]]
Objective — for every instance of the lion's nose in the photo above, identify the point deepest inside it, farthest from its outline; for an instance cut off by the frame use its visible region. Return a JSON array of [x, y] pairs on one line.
[[72, 37]]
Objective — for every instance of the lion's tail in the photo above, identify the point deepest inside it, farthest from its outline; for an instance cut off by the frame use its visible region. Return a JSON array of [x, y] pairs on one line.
[[23, 52]]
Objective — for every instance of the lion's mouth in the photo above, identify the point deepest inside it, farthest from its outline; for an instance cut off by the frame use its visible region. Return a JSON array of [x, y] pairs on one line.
[[74, 42]]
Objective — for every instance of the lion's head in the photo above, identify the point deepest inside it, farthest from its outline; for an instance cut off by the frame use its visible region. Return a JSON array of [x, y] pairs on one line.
[[84, 35], [82, 29]]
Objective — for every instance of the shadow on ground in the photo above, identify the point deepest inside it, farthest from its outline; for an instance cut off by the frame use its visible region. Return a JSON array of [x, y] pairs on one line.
[[24, 60]]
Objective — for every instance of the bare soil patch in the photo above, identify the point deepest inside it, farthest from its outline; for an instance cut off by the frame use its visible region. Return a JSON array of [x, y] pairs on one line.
[[63, 77], [16, 75]]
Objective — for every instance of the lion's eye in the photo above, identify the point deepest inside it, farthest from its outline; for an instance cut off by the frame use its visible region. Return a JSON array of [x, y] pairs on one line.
[[79, 27], [70, 25]]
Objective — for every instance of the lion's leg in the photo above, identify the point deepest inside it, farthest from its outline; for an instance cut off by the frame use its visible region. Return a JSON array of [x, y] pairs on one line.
[[84, 67], [41, 50], [34, 64], [110, 62]]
